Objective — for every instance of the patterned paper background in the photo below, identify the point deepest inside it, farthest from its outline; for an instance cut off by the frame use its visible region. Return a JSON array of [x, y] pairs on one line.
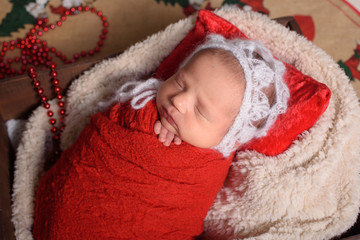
[[333, 25]]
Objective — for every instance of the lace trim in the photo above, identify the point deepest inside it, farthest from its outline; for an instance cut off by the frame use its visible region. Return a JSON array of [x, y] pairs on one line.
[[140, 93]]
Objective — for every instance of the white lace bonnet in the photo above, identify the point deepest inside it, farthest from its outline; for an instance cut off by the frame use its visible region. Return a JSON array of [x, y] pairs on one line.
[[259, 75]]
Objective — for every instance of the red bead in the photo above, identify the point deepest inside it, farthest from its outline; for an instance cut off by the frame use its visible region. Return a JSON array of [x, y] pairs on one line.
[[43, 99], [67, 13], [62, 112], [12, 48], [87, 8], [39, 33], [56, 138], [57, 89], [12, 42], [63, 58], [80, 8], [59, 96], [91, 52], [10, 60], [36, 83], [40, 91], [99, 13], [56, 82], [61, 104], [52, 121], [54, 129], [103, 18], [105, 24], [52, 26], [37, 27], [46, 105], [105, 31], [50, 113], [46, 20], [76, 56], [39, 22], [53, 74], [46, 29], [62, 120], [72, 9], [17, 59], [93, 10], [83, 53], [53, 66], [4, 49], [100, 43], [63, 18], [96, 49], [58, 23], [5, 44], [52, 49], [32, 73]]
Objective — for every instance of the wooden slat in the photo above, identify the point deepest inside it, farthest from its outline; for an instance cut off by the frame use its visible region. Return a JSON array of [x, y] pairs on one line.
[[6, 226], [290, 23], [18, 97]]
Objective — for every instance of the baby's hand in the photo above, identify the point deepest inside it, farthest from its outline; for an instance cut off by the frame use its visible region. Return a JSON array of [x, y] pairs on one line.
[[165, 136]]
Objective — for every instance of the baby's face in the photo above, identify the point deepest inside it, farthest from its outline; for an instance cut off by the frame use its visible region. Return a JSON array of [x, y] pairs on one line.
[[200, 101]]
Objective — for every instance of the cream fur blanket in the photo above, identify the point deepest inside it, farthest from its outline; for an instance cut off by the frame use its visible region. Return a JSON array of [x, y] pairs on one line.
[[311, 191]]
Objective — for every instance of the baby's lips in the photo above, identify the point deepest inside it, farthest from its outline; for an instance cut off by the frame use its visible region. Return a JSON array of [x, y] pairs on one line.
[[169, 118]]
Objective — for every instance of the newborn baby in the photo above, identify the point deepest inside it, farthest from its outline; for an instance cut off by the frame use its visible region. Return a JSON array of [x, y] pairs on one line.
[[117, 181]]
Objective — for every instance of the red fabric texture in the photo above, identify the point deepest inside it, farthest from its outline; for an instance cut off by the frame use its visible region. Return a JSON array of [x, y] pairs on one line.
[[117, 181], [308, 98]]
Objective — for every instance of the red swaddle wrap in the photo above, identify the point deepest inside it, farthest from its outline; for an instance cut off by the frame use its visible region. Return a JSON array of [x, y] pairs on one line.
[[117, 181]]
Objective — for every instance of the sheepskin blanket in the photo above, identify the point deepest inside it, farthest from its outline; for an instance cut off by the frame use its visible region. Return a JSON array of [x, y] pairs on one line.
[[311, 191]]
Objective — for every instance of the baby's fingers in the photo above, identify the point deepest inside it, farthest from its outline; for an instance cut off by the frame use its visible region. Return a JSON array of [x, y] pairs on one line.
[[157, 127], [169, 139], [162, 134], [177, 140]]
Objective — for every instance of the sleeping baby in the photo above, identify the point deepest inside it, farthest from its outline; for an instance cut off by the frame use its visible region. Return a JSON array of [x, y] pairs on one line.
[[119, 181]]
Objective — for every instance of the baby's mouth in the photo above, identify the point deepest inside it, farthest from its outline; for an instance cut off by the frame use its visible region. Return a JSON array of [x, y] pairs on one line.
[[168, 118]]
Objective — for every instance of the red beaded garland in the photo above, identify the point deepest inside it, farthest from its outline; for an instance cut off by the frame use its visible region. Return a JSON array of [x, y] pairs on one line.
[[33, 75], [36, 51]]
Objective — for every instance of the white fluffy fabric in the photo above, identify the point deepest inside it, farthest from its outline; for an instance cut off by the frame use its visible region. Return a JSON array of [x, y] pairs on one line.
[[311, 191]]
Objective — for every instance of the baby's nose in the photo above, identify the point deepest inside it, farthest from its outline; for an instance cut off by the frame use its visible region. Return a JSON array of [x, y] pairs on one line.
[[180, 102]]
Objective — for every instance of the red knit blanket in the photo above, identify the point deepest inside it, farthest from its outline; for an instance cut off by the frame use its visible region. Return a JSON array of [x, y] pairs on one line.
[[117, 181]]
